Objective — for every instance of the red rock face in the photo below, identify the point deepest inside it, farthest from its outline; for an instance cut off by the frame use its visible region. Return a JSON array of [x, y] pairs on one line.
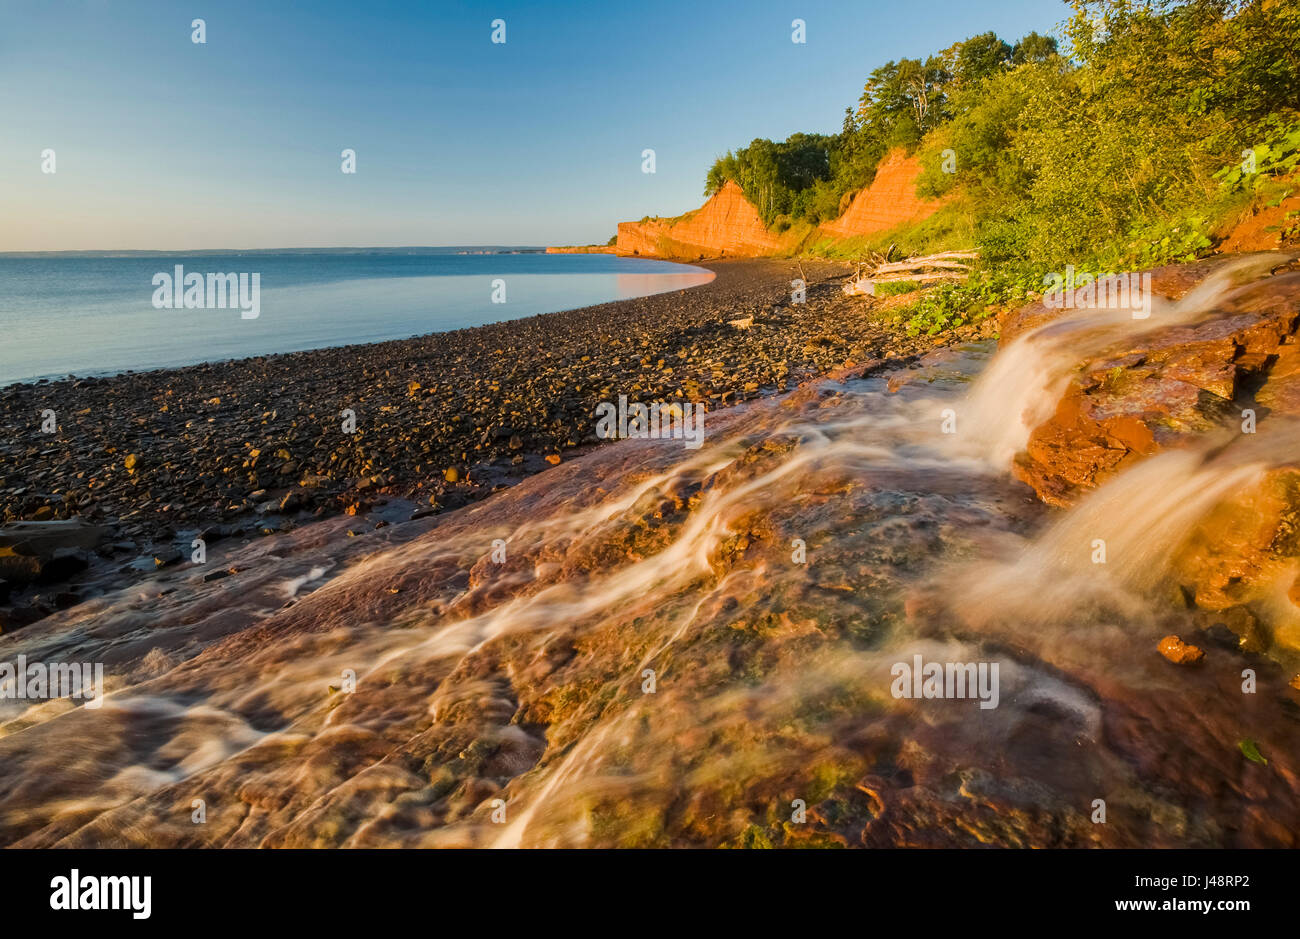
[[1237, 371], [1267, 228], [890, 200], [1165, 387], [727, 225]]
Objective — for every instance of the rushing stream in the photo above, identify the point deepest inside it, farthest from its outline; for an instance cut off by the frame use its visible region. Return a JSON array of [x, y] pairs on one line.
[[653, 645]]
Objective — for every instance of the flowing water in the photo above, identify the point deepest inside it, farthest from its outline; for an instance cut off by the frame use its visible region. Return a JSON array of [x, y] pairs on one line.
[[686, 647]]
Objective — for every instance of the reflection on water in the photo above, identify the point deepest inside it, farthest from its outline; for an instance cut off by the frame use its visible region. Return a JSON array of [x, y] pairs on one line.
[[307, 302], [643, 285]]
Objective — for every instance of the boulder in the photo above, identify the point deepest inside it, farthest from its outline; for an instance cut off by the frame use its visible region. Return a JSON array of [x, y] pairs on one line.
[[46, 552], [38, 538]]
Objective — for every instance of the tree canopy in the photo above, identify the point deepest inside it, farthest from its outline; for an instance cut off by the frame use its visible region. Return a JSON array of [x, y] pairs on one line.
[[1063, 145]]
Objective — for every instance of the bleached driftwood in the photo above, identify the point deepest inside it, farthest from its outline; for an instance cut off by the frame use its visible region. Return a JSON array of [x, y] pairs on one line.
[[931, 268], [905, 266]]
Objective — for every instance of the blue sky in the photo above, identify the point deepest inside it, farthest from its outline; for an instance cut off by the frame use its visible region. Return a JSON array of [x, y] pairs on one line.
[[162, 143]]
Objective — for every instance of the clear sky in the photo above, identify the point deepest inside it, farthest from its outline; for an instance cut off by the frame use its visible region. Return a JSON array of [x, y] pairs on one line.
[[163, 143]]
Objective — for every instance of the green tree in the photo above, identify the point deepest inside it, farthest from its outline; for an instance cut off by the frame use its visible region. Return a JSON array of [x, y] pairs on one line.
[[1033, 49], [978, 58]]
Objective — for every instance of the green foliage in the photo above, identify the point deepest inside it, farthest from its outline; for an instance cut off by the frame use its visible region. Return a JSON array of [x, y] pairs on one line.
[[981, 135], [949, 306], [774, 175], [1033, 49], [943, 308], [1160, 242], [807, 175], [1122, 154], [979, 58], [904, 99], [1250, 749], [895, 287], [1277, 156], [1120, 147], [1123, 149]]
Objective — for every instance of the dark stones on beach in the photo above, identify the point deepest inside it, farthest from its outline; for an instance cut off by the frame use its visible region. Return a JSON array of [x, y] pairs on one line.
[[43, 552], [442, 419]]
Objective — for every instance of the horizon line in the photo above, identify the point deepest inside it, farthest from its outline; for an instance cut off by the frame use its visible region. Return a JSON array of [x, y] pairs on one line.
[[287, 249], [284, 247]]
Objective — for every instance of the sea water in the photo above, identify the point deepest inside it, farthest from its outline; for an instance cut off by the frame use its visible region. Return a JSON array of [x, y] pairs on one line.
[[84, 316]]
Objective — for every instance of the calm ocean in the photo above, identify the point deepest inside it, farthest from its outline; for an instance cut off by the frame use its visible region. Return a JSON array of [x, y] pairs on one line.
[[82, 316]]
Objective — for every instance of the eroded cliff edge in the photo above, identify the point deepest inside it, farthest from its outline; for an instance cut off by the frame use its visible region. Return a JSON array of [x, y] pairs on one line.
[[728, 224]]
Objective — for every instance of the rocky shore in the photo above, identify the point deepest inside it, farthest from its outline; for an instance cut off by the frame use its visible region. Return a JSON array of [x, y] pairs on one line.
[[148, 462], [1224, 387], [670, 649], [652, 646]]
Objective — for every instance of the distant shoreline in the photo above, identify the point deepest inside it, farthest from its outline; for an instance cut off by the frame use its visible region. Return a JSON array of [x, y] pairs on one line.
[[404, 251]]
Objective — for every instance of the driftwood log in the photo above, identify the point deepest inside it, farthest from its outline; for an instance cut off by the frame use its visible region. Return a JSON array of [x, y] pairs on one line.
[[951, 266]]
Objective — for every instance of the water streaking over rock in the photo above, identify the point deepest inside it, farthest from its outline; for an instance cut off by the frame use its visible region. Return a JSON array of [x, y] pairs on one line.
[[1026, 383], [686, 648]]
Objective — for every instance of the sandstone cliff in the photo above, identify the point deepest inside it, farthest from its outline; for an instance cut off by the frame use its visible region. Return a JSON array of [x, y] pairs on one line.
[[890, 200], [728, 225]]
